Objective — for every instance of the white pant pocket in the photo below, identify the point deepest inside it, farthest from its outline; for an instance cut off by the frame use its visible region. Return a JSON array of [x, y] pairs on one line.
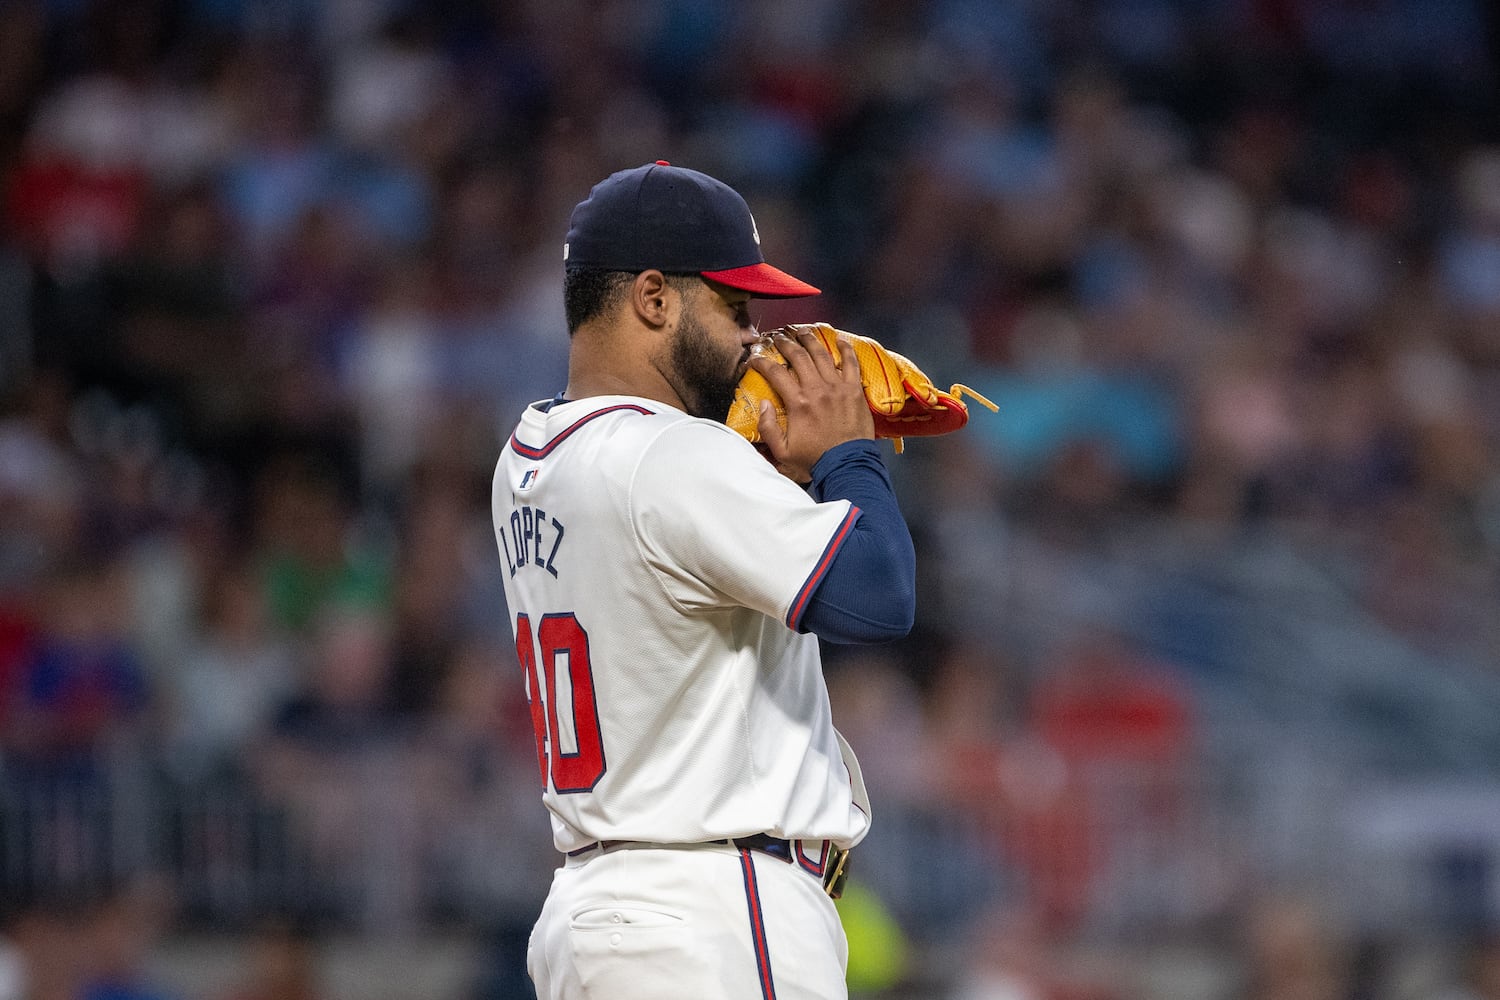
[[620, 915]]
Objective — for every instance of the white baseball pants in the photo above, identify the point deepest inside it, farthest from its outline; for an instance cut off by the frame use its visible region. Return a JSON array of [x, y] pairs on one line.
[[687, 922]]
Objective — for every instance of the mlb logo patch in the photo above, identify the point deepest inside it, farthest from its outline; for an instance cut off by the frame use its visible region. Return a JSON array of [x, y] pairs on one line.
[[528, 480]]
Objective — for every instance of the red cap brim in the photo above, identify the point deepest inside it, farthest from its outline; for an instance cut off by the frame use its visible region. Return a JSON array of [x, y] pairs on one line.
[[763, 281]]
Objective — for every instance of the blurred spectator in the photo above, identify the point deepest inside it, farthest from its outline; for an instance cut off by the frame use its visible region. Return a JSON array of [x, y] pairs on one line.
[[877, 706], [1019, 790], [1106, 708], [41, 485], [1293, 951], [393, 375], [965, 748], [17, 632], [119, 936], [479, 756], [301, 308], [1471, 253], [179, 303], [48, 958], [342, 706], [478, 766], [1479, 973], [1007, 962], [228, 688], [338, 760], [312, 555], [82, 682], [79, 193], [436, 584], [1010, 956], [282, 964], [1122, 728], [80, 699], [282, 166]]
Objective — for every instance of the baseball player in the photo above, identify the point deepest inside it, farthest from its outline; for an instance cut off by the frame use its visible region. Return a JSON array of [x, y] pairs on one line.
[[666, 584]]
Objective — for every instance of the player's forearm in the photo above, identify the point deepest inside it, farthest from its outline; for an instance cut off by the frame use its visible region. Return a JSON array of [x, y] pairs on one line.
[[869, 592]]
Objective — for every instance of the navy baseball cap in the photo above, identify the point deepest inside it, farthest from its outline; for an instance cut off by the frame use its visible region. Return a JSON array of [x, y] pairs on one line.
[[674, 219]]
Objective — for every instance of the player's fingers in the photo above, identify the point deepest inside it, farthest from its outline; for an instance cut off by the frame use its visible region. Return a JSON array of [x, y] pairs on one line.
[[776, 374], [849, 363], [818, 353], [770, 431], [797, 357], [771, 434]]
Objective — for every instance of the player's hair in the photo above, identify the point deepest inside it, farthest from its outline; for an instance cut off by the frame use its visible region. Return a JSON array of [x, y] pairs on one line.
[[592, 291]]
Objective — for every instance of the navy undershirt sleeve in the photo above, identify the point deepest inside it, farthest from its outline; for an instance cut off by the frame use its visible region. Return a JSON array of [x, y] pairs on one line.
[[869, 593]]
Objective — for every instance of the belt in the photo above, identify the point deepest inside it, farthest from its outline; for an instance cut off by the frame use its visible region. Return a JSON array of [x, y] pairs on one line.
[[830, 866]]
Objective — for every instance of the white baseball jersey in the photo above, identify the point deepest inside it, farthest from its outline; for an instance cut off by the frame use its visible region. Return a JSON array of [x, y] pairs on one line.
[[655, 567]]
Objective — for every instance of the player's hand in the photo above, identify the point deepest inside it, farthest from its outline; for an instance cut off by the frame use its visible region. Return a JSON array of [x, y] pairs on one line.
[[825, 402]]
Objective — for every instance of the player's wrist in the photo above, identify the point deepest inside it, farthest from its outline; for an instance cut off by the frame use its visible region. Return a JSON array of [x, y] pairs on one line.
[[852, 450]]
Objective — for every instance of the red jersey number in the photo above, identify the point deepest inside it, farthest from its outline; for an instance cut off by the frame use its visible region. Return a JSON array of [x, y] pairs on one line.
[[564, 716]]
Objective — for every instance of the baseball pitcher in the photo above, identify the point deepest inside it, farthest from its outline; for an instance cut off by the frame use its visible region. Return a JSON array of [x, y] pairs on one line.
[[666, 581]]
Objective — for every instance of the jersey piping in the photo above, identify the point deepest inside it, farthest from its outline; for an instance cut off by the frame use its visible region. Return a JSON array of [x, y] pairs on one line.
[[528, 451], [799, 603]]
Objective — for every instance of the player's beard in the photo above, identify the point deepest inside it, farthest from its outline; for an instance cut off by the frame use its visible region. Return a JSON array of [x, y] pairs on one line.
[[707, 371]]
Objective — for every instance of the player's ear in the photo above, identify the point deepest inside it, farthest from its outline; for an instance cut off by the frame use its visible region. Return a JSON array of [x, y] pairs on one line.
[[655, 301]]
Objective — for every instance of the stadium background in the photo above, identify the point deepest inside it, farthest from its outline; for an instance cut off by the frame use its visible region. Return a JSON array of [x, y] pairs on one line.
[[1203, 700]]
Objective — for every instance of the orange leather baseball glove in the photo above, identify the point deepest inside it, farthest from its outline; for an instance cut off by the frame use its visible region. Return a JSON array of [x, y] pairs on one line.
[[902, 398]]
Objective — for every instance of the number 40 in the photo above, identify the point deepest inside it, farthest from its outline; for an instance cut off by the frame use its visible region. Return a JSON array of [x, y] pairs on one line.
[[564, 715]]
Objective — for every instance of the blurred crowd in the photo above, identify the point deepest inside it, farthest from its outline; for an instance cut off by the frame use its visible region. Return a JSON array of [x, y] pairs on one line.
[[276, 277]]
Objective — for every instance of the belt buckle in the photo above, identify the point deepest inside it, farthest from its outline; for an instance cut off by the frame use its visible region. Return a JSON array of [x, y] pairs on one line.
[[837, 872]]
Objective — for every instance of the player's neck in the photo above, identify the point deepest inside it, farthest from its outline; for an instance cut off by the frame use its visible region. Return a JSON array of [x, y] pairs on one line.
[[586, 388], [598, 368]]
